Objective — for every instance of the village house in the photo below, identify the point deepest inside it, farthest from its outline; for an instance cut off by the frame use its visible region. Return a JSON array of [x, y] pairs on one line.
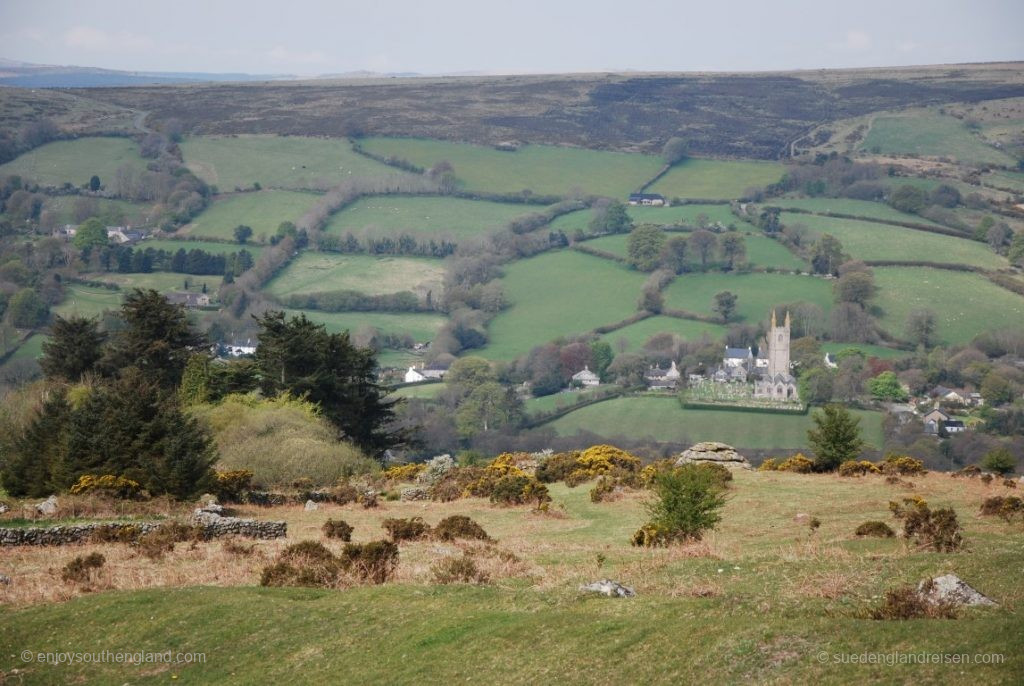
[[648, 199], [949, 396], [658, 379], [586, 378], [189, 299], [123, 235], [738, 357], [434, 370], [830, 361], [413, 376]]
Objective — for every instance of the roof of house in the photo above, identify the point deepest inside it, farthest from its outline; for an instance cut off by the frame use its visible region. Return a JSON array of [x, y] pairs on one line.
[[936, 410], [585, 373], [646, 196], [737, 353], [186, 298]]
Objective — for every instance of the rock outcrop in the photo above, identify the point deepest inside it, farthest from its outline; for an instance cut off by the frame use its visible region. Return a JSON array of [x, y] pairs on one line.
[[715, 453], [609, 588], [950, 589]]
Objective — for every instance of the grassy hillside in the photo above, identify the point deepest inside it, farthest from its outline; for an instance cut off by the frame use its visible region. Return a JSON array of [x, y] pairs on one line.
[[964, 304], [263, 212], [663, 419], [423, 327], [541, 169], [313, 272], [931, 135], [707, 179], [558, 294], [297, 162], [631, 338], [857, 208], [757, 293], [76, 161], [679, 214], [86, 301], [761, 250], [865, 240], [425, 216]]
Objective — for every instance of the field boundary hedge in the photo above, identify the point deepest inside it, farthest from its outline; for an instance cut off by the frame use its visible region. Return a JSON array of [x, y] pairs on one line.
[[941, 230]]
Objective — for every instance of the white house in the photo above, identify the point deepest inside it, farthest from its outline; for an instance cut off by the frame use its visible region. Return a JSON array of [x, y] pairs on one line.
[[412, 376], [586, 378], [649, 199], [830, 361]]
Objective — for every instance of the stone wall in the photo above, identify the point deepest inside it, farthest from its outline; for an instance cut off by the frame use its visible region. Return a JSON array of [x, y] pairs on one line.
[[213, 527]]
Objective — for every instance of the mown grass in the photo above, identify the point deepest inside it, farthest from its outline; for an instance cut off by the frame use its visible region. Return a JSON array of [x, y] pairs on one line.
[[262, 211], [30, 349], [424, 216], [76, 161], [165, 282], [931, 135], [558, 294], [865, 240], [296, 162], [756, 293], [857, 208], [87, 301], [212, 247], [758, 601], [314, 272], [964, 304], [664, 419], [421, 326], [716, 179], [543, 169], [631, 338]]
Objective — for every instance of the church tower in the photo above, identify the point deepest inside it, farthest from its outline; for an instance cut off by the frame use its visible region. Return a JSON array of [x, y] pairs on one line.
[[778, 346]]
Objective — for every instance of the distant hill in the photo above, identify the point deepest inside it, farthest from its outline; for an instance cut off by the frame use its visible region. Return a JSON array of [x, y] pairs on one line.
[[28, 75]]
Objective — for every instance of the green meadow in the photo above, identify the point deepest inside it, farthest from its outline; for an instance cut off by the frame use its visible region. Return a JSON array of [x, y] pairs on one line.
[[76, 161], [558, 401], [663, 216], [856, 208], [87, 301], [109, 211], [559, 294], [756, 293], [964, 304], [424, 216], [165, 282], [631, 338], [761, 250], [543, 169], [262, 211], [421, 326], [864, 240], [422, 392], [715, 179], [212, 247], [295, 162], [315, 272], [931, 135]]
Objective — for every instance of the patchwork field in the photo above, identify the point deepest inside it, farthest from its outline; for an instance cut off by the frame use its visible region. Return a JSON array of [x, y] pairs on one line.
[[715, 179], [423, 392], [1005, 179], [421, 326], [964, 304], [75, 161], [931, 135], [313, 272], [664, 216], [663, 419], [423, 216], [864, 240], [857, 208], [86, 301], [878, 351], [165, 282], [761, 250], [539, 168], [111, 212], [631, 338], [557, 401], [558, 294], [757, 293], [212, 247], [262, 211], [295, 162]]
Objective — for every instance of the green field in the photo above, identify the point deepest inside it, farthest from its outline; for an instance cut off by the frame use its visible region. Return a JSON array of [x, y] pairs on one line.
[[133, 214], [931, 135], [543, 169], [389, 215], [663, 419], [869, 350], [1005, 179], [858, 208], [965, 304], [212, 247], [631, 338], [559, 294], [263, 212], [423, 392], [314, 272], [664, 216], [165, 282], [716, 179], [297, 162], [87, 301], [757, 293], [864, 240], [421, 326], [761, 250], [30, 349], [76, 161], [557, 401]]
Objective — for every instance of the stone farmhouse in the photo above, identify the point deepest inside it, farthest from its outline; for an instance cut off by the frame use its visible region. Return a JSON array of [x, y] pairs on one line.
[[659, 379], [435, 370]]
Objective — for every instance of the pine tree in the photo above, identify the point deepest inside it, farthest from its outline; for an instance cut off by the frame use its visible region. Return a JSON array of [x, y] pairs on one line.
[[74, 347], [30, 468], [836, 438], [195, 380]]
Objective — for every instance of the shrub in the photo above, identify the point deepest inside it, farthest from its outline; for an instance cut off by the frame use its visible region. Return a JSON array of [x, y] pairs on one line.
[[901, 465], [1006, 507], [876, 529], [338, 528], [343, 493], [81, 568], [519, 490], [458, 570], [411, 529], [459, 526], [229, 486], [308, 563], [511, 463], [445, 491], [603, 459], [770, 464], [798, 463], [858, 468], [374, 562], [558, 467], [687, 503], [604, 490], [720, 474], [578, 477], [108, 485], [650, 536], [936, 529], [986, 479], [368, 500], [970, 471], [999, 461], [404, 472], [908, 603], [115, 533], [1009, 483], [649, 472], [435, 469]]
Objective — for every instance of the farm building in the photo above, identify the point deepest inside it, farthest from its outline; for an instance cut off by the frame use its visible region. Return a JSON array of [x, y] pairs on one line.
[[662, 379], [586, 378], [648, 199]]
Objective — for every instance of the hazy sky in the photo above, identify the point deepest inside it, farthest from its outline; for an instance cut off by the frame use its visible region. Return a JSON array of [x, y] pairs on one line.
[[430, 36]]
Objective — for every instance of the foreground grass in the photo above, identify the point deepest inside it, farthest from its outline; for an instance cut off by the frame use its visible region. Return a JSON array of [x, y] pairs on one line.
[[757, 601]]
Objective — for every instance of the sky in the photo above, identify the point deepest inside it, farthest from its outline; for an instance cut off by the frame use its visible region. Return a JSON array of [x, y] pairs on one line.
[[309, 37]]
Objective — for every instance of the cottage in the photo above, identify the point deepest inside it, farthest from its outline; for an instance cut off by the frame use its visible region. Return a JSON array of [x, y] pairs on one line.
[[933, 420], [737, 357], [123, 235], [189, 299], [663, 379], [586, 378], [239, 349], [435, 370], [949, 396], [648, 199], [413, 376]]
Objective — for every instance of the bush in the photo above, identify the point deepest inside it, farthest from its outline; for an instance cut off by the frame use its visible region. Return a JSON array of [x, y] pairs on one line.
[[519, 490], [770, 464], [650, 536], [338, 528], [999, 461], [876, 529], [901, 465], [908, 603], [406, 529], [970, 471], [604, 490], [1006, 507], [687, 503], [720, 474], [81, 568], [343, 493], [603, 459], [458, 570], [558, 467], [798, 463], [404, 472], [858, 468], [115, 533], [938, 529], [108, 485], [374, 562], [308, 563], [230, 485], [459, 526]]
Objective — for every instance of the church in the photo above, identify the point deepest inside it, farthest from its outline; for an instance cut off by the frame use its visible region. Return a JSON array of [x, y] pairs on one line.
[[776, 382]]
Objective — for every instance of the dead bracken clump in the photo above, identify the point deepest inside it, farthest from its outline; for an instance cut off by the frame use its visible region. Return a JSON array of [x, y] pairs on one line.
[[80, 569], [458, 570], [970, 471], [908, 603], [459, 526], [412, 529], [238, 549], [1006, 507], [338, 528], [372, 562], [876, 529], [308, 563]]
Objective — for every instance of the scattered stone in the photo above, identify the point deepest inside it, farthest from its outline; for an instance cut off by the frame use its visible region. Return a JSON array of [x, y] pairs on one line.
[[715, 453], [311, 506], [48, 506], [609, 589], [5, 580], [214, 526], [950, 590], [414, 493]]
